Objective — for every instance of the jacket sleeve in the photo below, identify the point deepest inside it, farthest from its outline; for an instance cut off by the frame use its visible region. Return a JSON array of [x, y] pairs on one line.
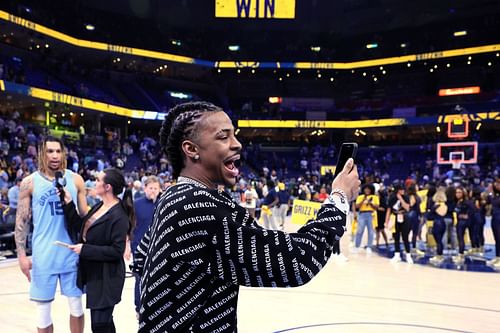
[[73, 221], [236, 249], [117, 239], [253, 256], [140, 254]]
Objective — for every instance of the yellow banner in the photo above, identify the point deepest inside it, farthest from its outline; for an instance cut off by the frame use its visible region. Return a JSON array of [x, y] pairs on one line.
[[59, 133], [303, 211], [266, 9], [321, 123], [325, 168], [49, 95]]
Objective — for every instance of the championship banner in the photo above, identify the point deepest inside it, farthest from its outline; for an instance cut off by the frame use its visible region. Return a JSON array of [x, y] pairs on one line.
[[265, 9], [303, 211]]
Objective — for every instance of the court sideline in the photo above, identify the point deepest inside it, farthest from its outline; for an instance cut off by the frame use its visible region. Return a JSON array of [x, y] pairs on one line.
[[365, 294]]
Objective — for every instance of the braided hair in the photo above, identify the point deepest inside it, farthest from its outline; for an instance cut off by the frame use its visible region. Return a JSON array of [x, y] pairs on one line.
[[181, 124]]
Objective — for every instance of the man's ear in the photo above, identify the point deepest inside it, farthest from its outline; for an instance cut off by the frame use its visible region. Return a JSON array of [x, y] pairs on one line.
[[190, 149]]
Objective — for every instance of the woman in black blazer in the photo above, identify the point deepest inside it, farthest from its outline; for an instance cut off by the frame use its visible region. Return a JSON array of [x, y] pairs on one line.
[[102, 236]]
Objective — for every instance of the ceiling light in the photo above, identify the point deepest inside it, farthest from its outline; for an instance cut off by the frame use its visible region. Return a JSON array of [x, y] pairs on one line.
[[448, 65], [298, 71], [403, 45], [89, 27], [460, 33], [315, 48], [233, 48], [331, 79], [371, 46], [489, 63], [408, 65], [275, 100]]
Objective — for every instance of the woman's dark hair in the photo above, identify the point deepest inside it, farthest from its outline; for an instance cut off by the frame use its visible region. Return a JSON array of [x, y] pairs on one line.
[[114, 177], [476, 193], [179, 125], [465, 195], [370, 187], [431, 190], [411, 190], [450, 193]]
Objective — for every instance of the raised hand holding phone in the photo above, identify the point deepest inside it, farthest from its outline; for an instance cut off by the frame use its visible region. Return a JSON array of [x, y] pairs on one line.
[[347, 150], [348, 180]]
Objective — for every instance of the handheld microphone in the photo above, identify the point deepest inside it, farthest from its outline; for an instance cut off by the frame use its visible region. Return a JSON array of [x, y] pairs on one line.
[[60, 182]]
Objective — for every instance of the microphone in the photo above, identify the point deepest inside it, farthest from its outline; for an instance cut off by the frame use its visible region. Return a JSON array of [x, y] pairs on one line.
[[60, 182]]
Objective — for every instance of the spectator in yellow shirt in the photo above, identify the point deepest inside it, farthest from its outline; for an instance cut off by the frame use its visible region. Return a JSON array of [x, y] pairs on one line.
[[366, 204]]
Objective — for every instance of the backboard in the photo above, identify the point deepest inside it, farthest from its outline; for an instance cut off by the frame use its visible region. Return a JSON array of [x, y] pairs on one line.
[[457, 152]]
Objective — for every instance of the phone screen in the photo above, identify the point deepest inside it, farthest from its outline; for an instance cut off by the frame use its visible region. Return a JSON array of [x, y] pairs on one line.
[[347, 150]]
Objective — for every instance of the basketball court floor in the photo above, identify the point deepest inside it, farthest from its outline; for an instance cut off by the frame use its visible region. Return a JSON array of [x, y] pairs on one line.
[[365, 294]]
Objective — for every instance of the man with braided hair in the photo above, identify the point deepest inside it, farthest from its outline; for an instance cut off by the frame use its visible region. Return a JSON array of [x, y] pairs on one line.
[[202, 246], [39, 202]]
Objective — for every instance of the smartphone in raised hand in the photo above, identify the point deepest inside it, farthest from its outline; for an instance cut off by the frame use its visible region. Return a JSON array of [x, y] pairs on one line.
[[347, 150]]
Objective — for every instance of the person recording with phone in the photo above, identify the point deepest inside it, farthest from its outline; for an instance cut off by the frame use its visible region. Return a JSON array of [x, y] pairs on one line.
[[366, 205], [102, 239], [39, 202], [202, 246], [399, 206]]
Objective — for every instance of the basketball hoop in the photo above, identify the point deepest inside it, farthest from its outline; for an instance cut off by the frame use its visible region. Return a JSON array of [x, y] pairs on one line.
[[456, 164], [456, 159]]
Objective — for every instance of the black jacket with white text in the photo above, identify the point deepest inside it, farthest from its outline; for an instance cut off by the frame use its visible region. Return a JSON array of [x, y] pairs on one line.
[[202, 246]]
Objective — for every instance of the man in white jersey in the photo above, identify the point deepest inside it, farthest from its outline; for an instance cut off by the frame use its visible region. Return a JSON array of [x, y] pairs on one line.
[[39, 202]]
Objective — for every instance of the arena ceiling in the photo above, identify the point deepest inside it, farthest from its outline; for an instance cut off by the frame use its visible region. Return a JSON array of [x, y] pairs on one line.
[[341, 28]]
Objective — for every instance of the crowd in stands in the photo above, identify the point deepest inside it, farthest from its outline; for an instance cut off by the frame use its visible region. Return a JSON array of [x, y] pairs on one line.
[[269, 180]]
